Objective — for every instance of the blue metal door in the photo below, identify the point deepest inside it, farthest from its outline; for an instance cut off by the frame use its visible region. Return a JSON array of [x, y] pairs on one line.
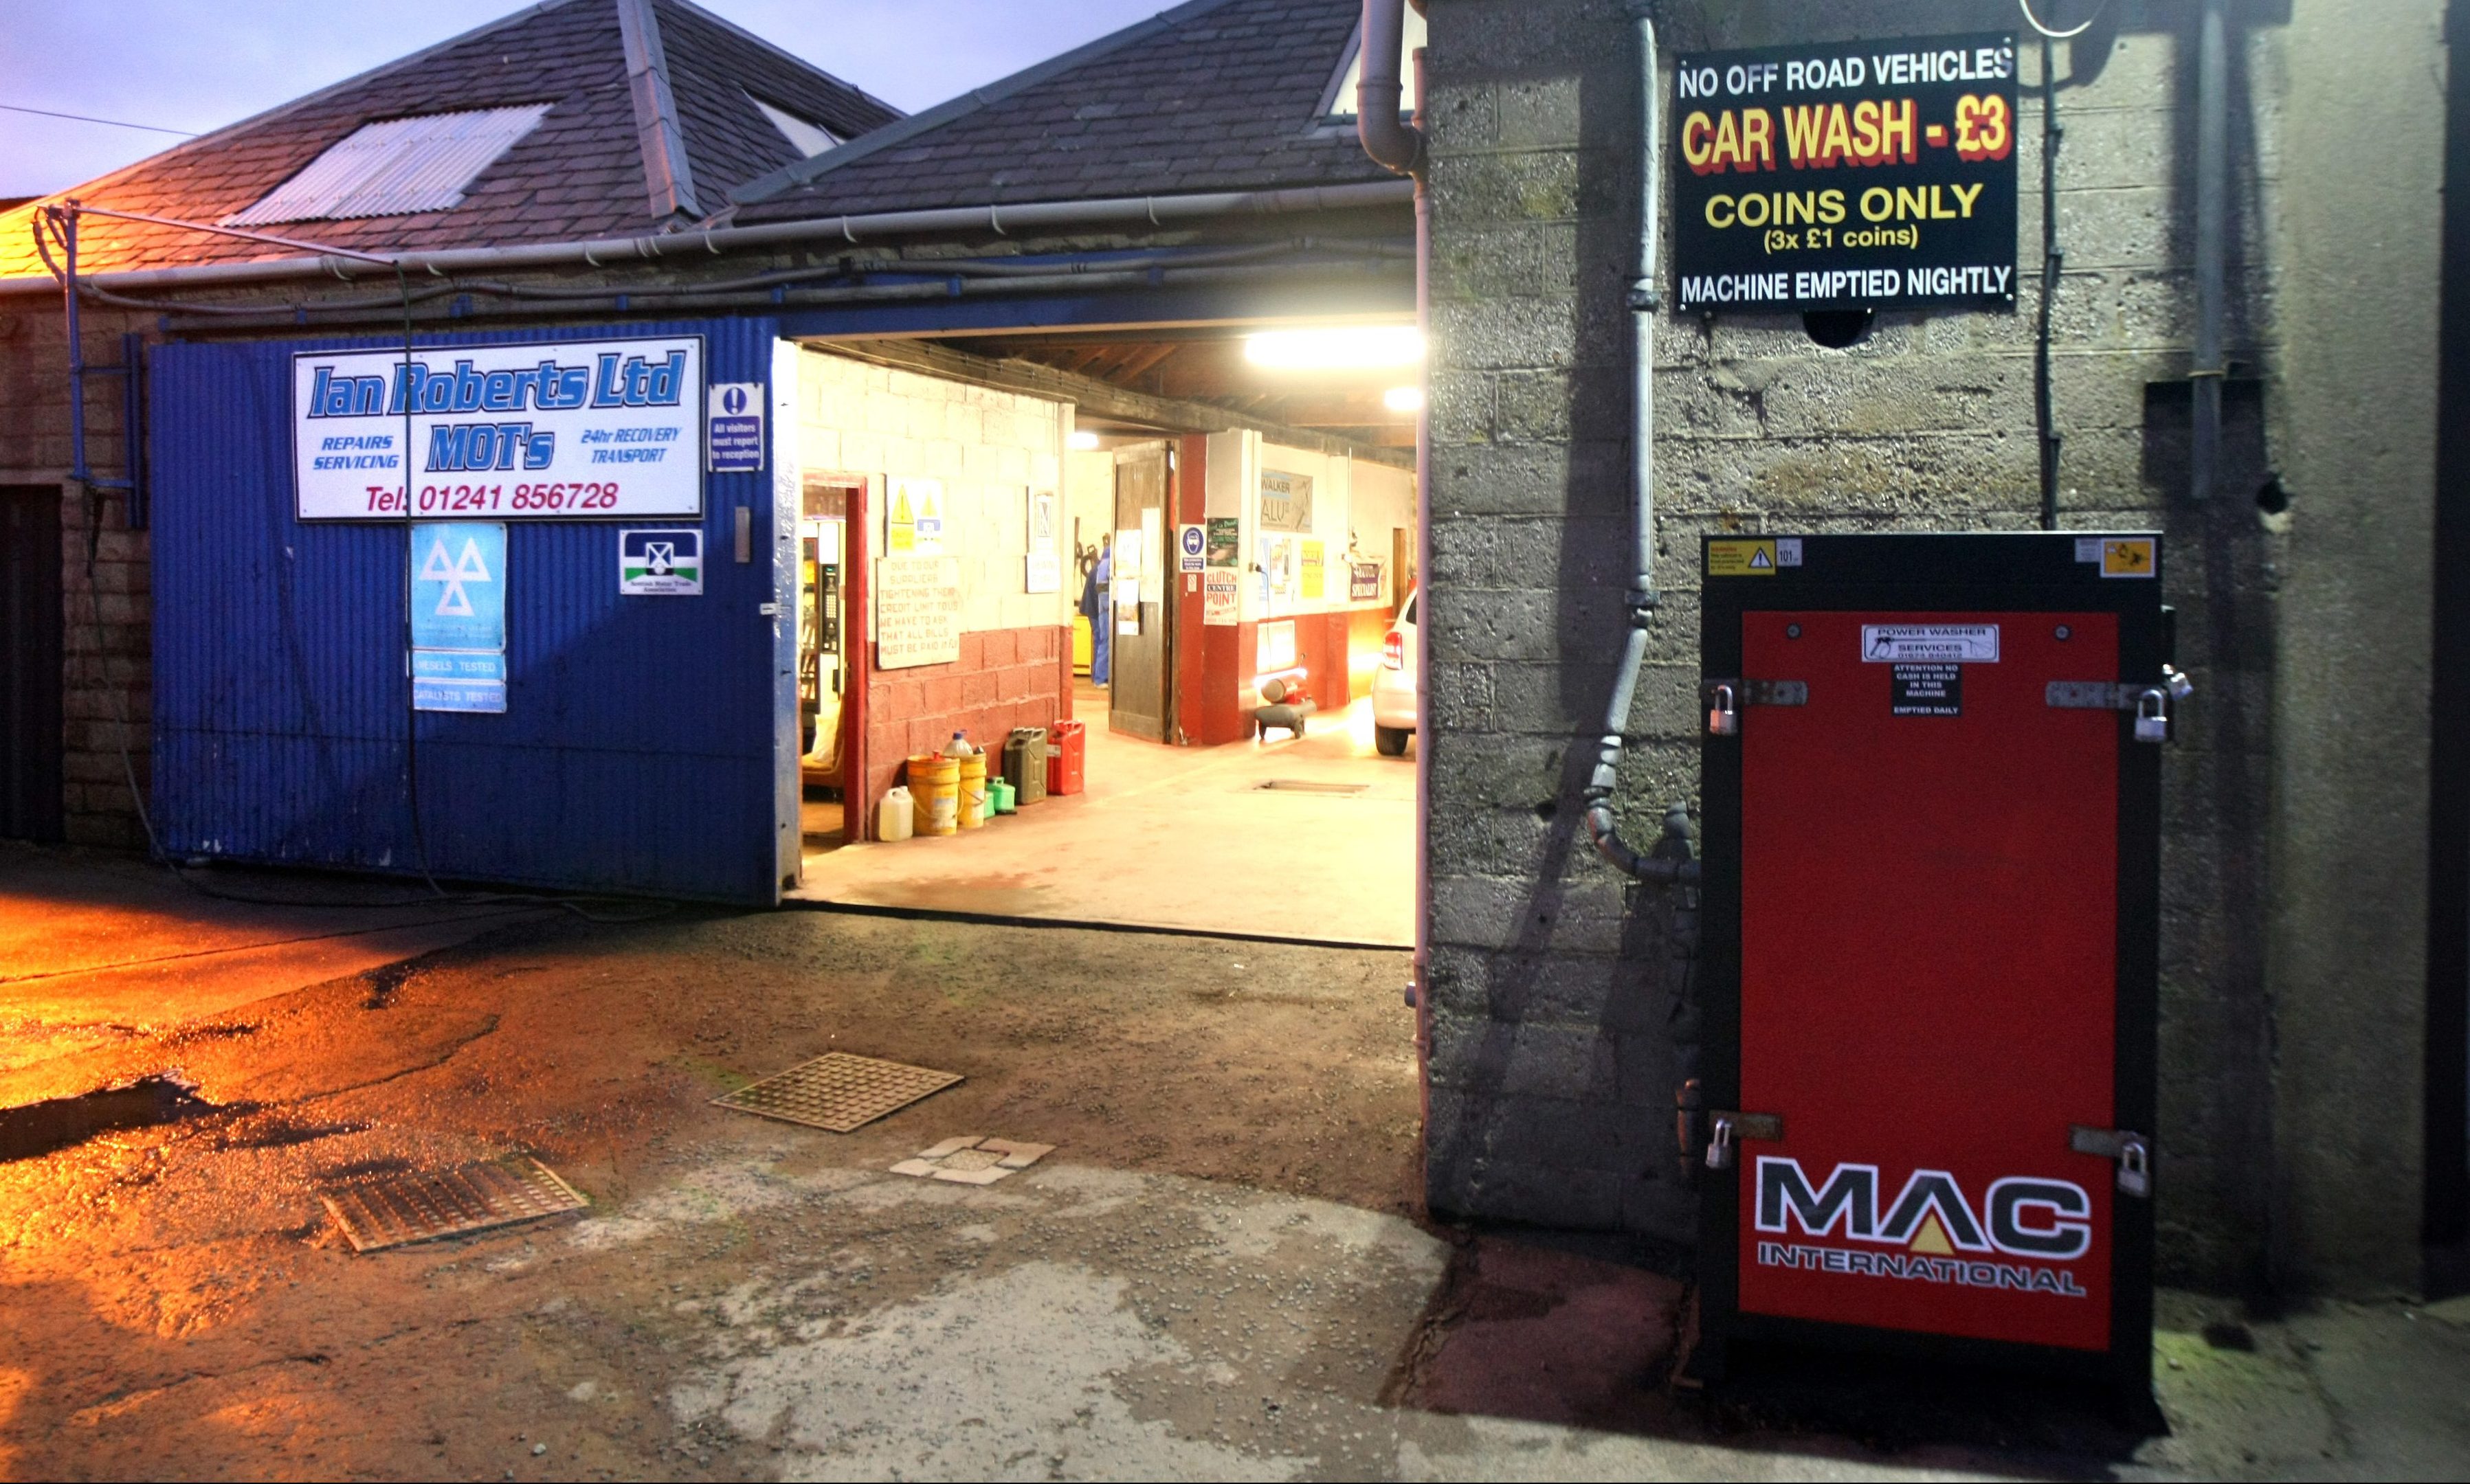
[[638, 752]]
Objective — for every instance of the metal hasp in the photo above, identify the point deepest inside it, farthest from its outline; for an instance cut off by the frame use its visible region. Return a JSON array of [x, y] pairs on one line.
[[1928, 948]]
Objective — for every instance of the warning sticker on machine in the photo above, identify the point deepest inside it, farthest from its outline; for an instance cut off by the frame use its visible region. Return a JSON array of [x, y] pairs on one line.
[[1741, 558], [1928, 690], [1948, 643]]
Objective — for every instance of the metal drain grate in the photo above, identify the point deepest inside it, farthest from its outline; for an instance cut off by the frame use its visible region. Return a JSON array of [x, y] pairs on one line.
[[1307, 786], [401, 1209], [838, 1091]]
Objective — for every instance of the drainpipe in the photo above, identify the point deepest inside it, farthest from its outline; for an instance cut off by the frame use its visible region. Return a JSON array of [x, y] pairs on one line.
[[1400, 146], [1663, 867], [2212, 191]]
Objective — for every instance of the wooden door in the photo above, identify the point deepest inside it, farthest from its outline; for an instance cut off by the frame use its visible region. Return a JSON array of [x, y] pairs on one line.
[[30, 662], [1144, 573]]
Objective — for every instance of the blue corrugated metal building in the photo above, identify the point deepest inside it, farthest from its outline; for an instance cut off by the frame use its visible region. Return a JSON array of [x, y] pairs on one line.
[[638, 751]]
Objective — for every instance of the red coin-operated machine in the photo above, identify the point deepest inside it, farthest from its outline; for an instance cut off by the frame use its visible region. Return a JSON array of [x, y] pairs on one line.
[[1931, 859]]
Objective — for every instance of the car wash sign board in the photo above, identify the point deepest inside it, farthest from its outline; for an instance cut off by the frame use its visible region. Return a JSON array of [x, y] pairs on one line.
[[1850, 176], [552, 429]]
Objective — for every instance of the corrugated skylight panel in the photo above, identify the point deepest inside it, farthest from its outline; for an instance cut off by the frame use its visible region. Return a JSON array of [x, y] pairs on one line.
[[396, 167], [807, 137]]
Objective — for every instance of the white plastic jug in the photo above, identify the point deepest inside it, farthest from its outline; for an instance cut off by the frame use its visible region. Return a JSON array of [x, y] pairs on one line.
[[895, 816]]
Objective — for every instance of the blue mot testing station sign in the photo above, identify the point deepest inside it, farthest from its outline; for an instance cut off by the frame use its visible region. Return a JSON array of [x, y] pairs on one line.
[[458, 615]]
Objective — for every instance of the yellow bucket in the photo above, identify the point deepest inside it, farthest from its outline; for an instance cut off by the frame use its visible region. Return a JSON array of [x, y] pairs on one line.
[[972, 788], [935, 783]]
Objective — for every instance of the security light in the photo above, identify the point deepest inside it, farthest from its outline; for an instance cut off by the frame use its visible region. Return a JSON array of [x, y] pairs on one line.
[[1343, 348], [1082, 440], [1404, 398]]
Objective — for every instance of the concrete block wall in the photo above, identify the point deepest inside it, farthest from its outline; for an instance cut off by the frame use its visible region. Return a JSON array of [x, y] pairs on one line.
[[107, 619], [1554, 1043]]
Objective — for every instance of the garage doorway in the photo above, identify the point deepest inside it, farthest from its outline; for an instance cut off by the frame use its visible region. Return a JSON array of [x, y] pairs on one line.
[[30, 662]]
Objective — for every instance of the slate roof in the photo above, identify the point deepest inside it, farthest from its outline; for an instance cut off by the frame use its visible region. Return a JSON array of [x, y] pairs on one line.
[[1215, 95], [579, 174]]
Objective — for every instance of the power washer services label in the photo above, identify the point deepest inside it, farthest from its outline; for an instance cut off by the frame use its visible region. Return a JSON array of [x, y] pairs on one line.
[[1852, 175], [545, 430]]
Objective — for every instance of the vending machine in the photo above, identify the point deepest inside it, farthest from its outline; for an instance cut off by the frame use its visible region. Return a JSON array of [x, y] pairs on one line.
[[1931, 782]]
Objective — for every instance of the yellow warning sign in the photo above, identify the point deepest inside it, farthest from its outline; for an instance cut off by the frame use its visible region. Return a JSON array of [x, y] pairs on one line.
[[1741, 558], [2131, 557]]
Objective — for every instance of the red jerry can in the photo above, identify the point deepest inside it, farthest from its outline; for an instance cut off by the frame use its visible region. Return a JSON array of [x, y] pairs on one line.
[[1066, 754], [1932, 773]]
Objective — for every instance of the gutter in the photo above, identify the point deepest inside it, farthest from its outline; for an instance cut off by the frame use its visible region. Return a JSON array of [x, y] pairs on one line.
[[1001, 221]]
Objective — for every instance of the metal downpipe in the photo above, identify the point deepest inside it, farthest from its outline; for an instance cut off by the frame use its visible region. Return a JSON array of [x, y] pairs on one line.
[[1641, 598]]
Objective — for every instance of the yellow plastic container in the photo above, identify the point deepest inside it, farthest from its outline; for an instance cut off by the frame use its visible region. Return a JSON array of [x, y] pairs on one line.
[[935, 783], [974, 789]]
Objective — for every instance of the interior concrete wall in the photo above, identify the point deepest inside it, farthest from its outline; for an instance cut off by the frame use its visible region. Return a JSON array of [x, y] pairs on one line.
[[1555, 1040]]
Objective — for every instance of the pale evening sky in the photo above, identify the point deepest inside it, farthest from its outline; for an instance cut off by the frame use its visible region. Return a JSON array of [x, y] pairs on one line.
[[189, 66]]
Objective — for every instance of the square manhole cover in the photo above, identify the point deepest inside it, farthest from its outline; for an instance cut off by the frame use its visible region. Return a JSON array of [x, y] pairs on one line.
[[1311, 786], [424, 1207], [838, 1091]]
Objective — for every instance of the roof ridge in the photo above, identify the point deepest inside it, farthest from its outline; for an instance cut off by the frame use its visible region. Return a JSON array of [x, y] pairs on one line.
[[268, 115], [668, 175], [784, 53], [805, 172]]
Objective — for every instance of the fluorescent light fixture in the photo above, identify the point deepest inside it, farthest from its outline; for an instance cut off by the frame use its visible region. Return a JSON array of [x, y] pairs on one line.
[[1342, 348], [1404, 398], [1084, 440]]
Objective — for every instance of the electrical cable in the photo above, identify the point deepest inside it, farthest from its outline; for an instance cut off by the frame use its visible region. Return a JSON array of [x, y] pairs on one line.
[[2045, 415], [88, 118], [2048, 35]]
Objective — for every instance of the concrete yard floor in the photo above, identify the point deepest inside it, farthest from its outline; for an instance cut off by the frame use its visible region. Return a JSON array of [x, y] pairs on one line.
[[1221, 1271], [1178, 837]]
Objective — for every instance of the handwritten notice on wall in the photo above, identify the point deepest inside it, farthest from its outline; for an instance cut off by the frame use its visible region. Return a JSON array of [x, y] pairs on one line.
[[916, 610]]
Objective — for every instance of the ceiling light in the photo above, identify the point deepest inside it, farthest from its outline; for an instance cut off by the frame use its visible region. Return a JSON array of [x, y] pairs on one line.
[[1345, 348], [1404, 398], [1084, 440]]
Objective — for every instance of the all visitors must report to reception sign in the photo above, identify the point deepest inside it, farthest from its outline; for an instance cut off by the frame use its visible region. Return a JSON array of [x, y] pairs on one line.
[[542, 429], [1850, 175]]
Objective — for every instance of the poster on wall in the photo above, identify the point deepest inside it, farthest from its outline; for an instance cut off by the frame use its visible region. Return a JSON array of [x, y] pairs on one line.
[[458, 617], [1278, 571], [914, 518], [916, 610], [1153, 559], [733, 427], [1846, 175], [1314, 583], [547, 429], [1362, 582], [1225, 540], [1285, 500], [1043, 572], [1191, 549], [1219, 589]]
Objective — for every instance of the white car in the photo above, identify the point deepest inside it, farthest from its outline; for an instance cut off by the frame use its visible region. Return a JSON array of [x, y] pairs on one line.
[[1394, 685]]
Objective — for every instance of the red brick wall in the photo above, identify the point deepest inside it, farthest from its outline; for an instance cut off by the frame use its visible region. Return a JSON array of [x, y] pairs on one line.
[[1005, 678]]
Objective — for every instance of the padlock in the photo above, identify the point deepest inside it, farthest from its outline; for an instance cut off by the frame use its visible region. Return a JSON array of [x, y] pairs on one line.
[[2152, 717], [1723, 718], [2134, 1166], [1719, 1144]]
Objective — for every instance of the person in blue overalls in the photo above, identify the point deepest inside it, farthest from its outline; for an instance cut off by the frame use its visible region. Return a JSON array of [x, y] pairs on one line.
[[1098, 606]]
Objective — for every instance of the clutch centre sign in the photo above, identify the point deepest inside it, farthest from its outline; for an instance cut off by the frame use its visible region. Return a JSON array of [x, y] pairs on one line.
[[1846, 175], [554, 429]]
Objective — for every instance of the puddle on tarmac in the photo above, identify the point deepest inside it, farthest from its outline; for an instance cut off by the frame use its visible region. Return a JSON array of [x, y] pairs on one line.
[[40, 1128]]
